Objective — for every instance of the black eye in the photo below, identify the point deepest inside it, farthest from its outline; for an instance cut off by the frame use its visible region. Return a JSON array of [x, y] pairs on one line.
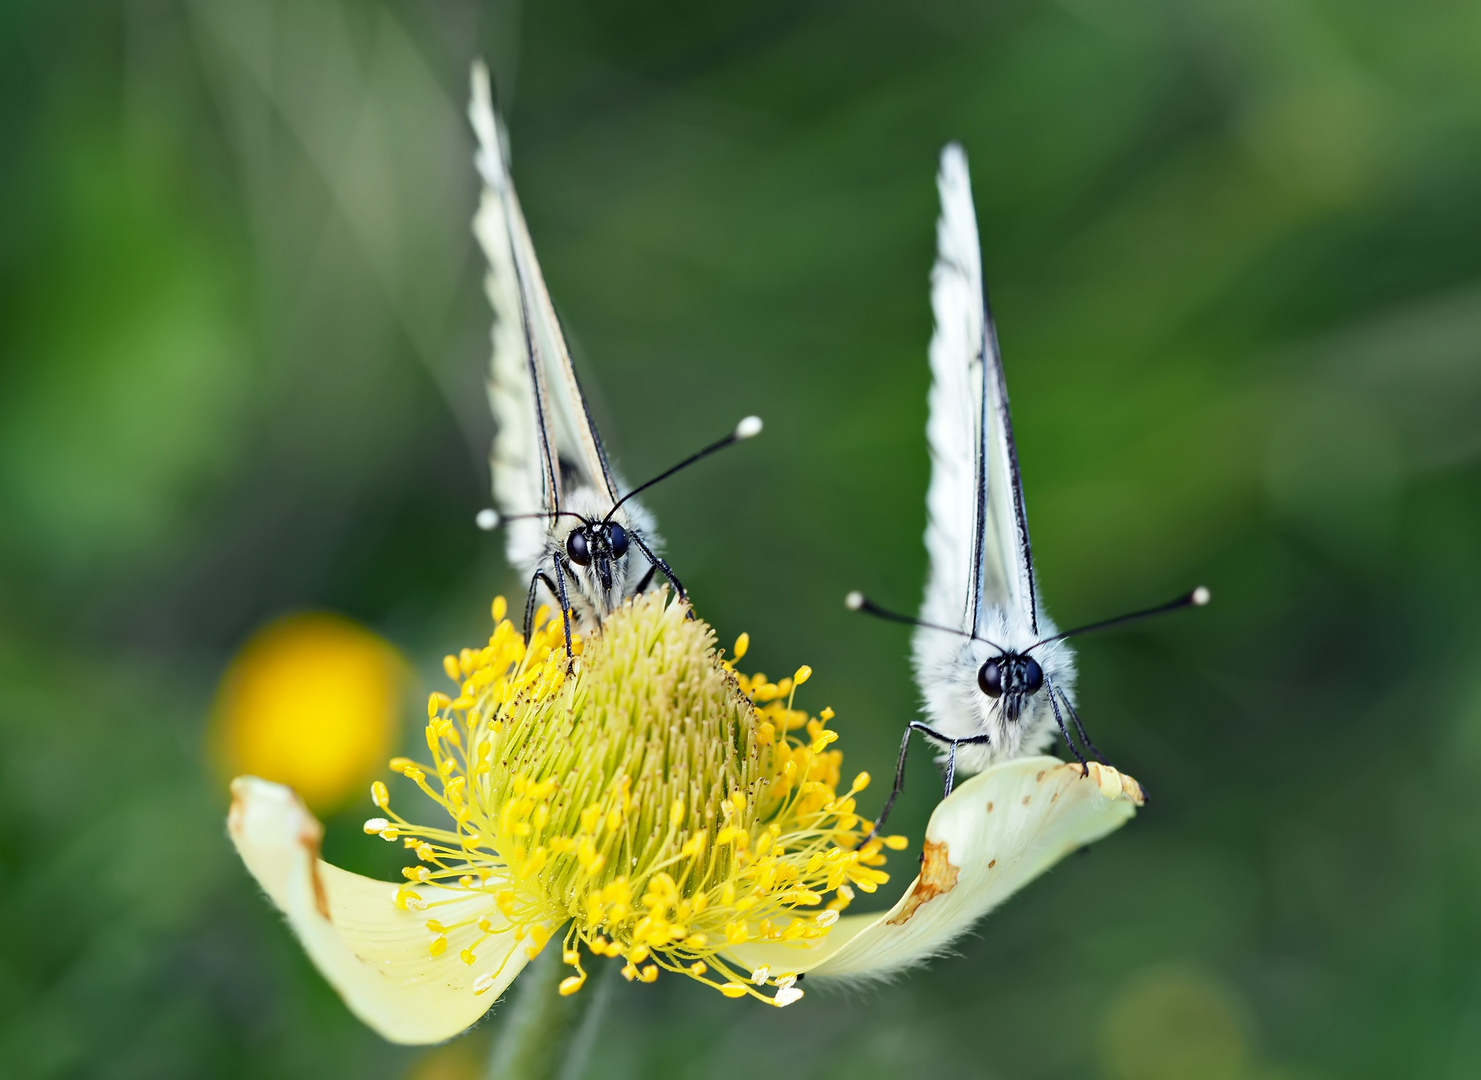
[[577, 549], [617, 537], [1033, 675], [990, 678]]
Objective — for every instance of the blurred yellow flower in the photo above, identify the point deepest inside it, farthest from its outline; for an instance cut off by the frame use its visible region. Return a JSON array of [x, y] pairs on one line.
[[311, 701]]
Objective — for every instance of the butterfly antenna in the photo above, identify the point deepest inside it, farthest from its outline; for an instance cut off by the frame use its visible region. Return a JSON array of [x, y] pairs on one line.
[[857, 601], [748, 428], [1197, 598], [489, 519]]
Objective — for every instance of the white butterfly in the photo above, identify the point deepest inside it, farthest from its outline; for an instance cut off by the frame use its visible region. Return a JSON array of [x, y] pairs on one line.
[[996, 678], [569, 529]]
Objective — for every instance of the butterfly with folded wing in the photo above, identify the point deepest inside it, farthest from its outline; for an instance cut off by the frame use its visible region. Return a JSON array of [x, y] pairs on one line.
[[569, 530], [996, 677]]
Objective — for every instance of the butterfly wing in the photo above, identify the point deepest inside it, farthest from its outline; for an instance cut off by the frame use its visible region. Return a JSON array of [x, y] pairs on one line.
[[976, 532], [545, 444]]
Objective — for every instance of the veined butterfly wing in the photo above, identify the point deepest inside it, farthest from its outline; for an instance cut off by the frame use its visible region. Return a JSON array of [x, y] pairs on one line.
[[550, 472], [976, 532]]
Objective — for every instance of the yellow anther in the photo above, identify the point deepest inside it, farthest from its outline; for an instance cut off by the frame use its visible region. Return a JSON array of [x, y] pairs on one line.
[[742, 644], [467, 957], [803, 674], [500, 607], [572, 983], [676, 813], [896, 843], [734, 990], [450, 665], [407, 900], [861, 782], [374, 826], [438, 946]]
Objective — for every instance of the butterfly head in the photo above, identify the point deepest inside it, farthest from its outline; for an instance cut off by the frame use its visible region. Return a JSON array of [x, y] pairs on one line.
[[600, 545], [1010, 675]]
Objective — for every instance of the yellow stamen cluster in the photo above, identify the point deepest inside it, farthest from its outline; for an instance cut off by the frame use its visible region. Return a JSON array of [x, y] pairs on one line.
[[662, 805]]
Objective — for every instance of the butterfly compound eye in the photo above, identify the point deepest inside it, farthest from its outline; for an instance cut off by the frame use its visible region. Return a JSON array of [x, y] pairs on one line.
[[990, 679], [1033, 675], [577, 548], [617, 538]]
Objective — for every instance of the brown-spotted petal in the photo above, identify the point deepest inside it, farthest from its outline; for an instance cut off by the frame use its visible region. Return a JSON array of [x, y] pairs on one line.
[[994, 834], [375, 951]]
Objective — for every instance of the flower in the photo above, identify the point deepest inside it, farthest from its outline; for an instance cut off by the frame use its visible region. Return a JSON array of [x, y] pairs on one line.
[[312, 701], [662, 809], [645, 797]]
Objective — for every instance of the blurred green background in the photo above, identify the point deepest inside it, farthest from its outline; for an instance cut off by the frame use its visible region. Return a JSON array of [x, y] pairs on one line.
[[1232, 248]]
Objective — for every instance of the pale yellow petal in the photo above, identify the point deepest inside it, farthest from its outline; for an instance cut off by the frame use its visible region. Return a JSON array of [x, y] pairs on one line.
[[995, 833], [375, 953]]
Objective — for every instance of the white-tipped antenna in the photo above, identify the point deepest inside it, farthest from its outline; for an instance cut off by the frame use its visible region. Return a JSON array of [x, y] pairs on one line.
[[487, 519], [747, 428], [857, 601], [1197, 598]]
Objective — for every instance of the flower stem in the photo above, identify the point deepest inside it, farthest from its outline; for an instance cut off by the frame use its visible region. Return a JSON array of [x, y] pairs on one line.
[[546, 1036]]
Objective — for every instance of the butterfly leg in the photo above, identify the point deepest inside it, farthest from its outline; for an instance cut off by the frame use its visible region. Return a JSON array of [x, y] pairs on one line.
[[924, 729], [540, 576], [1079, 727], [889, 803], [661, 566], [1064, 732], [565, 608], [647, 579]]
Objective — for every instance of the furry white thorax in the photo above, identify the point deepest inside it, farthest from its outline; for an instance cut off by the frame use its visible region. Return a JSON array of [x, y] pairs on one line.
[[946, 667], [590, 602]]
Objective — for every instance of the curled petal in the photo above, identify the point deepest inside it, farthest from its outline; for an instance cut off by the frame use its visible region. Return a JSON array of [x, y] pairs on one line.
[[994, 834], [374, 952]]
